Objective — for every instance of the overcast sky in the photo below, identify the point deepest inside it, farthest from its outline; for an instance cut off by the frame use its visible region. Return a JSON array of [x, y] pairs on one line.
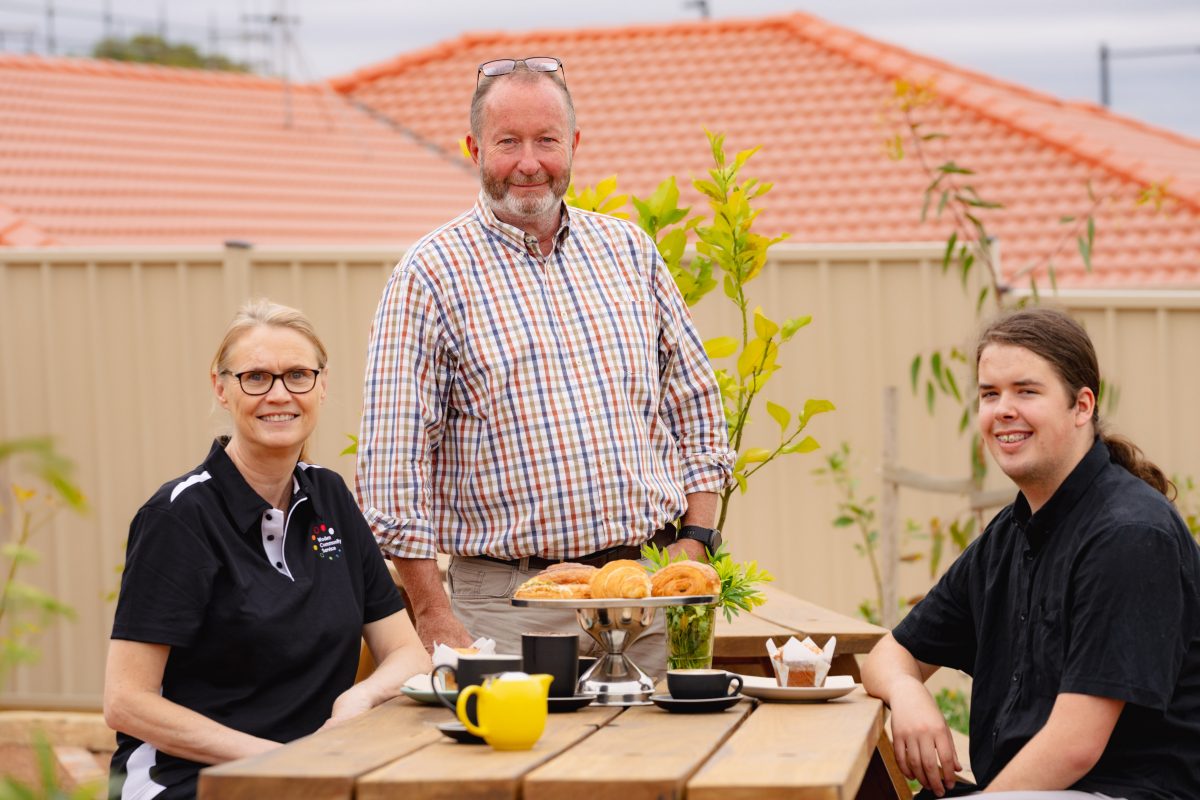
[[1050, 45]]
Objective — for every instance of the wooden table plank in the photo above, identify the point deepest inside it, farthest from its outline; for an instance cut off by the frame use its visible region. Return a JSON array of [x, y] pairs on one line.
[[451, 771], [325, 765], [809, 619], [817, 751], [645, 753]]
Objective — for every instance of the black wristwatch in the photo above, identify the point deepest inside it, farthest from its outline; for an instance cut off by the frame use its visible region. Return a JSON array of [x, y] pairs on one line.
[[709, 537]]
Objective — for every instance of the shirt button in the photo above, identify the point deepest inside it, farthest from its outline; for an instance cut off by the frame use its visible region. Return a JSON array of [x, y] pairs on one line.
[[1023, 615], [1016, 676], [271, 538], [268, 516], [1029, 555], [279, 564]]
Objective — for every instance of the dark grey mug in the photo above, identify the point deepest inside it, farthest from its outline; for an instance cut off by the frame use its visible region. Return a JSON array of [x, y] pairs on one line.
[[702, 684], [471, 671]]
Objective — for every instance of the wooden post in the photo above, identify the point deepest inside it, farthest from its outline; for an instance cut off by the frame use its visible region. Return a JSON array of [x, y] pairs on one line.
[[889, 511]]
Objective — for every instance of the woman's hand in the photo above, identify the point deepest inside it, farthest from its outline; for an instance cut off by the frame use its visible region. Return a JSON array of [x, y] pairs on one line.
[[349, 704]]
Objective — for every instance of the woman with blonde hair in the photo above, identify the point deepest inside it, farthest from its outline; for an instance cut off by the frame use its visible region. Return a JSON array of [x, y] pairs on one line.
[[249, 583]]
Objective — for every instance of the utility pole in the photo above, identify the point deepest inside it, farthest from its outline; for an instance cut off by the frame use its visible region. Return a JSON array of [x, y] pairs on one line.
[[51, 45], [282, 23], [1107, 54]]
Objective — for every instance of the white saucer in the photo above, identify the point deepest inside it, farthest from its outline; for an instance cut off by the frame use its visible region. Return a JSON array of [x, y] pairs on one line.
[[769, 689]]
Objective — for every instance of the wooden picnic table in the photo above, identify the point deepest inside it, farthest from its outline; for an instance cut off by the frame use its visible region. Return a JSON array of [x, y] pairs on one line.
[[833, 750], [740, 645]]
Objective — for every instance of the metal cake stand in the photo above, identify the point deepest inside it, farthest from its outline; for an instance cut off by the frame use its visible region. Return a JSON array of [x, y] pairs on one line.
[[616, 623]]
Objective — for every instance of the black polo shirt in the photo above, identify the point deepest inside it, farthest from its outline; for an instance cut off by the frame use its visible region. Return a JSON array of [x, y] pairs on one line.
[[263, 611], [1097, 593]]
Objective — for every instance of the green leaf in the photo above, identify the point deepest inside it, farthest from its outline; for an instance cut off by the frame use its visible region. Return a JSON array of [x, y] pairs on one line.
[[792, 325], [950, 168], [721, 347], [935, 367], [964, 420], [780, 415], [914, 370], [930, 395], [983, 293], [741, 481], [814, 407], [806, 445], [763, 325], [752, 357], [1085, 251], [953, 384], [352, 448], [731, 289], [755, 455], [946, 256], [942, 202], [20, 553]]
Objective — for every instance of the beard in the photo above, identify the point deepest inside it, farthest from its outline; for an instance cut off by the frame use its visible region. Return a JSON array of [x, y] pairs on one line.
[[526, 207]]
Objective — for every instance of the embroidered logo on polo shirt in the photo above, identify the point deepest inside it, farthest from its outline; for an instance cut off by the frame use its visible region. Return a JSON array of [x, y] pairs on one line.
[[325, 542]]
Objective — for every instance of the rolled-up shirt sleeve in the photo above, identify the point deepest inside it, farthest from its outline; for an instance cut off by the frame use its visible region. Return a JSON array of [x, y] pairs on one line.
[[691, 401], [410, 368]]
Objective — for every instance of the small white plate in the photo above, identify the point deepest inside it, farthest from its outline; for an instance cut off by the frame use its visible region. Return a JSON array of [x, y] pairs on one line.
[[769, 689]]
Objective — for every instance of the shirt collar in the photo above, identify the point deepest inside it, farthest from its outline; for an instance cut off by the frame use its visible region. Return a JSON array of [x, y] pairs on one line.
[[514, 235], [1037, 527], [245, 504]]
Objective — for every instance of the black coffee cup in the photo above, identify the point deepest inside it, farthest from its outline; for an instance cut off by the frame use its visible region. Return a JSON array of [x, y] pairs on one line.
[[702, 684], [555, 654], [471, 671]]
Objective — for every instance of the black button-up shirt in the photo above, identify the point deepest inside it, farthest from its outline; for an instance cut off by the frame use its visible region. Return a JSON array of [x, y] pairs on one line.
[[1098, 593]]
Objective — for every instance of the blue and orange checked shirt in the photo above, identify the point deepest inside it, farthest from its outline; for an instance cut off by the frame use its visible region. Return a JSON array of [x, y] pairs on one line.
[[520, 405]]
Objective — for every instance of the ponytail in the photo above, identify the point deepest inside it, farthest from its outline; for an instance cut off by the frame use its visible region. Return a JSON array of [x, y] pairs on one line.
[[1130, 456]]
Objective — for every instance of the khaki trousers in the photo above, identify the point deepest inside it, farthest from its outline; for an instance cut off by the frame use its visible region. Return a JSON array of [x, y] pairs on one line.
[[479, 595]]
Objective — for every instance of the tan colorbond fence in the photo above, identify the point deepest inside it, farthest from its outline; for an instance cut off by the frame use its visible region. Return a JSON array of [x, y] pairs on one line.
[[108, 351]]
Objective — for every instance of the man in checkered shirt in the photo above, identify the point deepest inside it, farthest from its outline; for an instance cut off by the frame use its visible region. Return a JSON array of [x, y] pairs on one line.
[[535, 389]]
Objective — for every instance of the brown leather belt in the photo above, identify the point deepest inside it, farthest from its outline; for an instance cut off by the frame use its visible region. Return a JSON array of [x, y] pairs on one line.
[[661, 538]]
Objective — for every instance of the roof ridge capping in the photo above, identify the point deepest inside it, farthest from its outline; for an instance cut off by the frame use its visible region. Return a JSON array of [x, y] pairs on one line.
[[869, 52], [350, 82]]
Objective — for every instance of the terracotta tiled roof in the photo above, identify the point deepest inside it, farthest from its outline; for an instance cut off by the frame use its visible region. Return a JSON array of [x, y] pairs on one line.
[[817, 97], [97, 152]]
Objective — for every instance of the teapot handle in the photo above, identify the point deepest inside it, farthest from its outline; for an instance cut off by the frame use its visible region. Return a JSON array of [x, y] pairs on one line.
[[461, 711]]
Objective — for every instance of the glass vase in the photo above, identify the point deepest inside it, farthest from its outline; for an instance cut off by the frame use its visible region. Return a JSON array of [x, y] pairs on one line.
[[690, 631]]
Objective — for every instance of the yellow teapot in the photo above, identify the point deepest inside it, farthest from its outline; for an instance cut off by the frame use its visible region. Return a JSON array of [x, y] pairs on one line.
[[511, 709]]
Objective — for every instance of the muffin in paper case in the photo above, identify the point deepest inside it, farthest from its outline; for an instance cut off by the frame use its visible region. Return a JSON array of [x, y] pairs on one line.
[[801, 663]]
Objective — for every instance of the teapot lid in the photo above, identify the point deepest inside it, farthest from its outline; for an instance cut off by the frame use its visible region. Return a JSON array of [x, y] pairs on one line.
[[512, 676]]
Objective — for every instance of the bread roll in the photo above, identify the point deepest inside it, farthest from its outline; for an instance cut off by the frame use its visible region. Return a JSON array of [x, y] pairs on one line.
[[537, 589], [624, 579], [685, 579], [568, 572]]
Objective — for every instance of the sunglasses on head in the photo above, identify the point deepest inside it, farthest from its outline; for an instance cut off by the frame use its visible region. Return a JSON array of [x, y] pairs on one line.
[[503, 66]]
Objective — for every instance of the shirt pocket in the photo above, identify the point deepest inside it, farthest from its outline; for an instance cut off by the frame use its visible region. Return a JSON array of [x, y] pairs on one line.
[[1048, 648]]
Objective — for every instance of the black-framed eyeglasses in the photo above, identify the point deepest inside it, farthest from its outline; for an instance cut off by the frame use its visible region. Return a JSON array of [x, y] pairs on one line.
[[502, 66], [255, 382]]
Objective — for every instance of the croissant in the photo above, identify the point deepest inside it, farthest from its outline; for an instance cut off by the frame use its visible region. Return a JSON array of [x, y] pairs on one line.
[[685, 579], [623, 579]]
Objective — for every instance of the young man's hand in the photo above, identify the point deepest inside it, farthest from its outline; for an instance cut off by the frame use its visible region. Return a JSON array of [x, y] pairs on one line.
[[922, 741]]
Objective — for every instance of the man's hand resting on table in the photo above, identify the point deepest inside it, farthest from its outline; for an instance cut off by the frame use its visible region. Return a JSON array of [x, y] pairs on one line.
[[922, 741]]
